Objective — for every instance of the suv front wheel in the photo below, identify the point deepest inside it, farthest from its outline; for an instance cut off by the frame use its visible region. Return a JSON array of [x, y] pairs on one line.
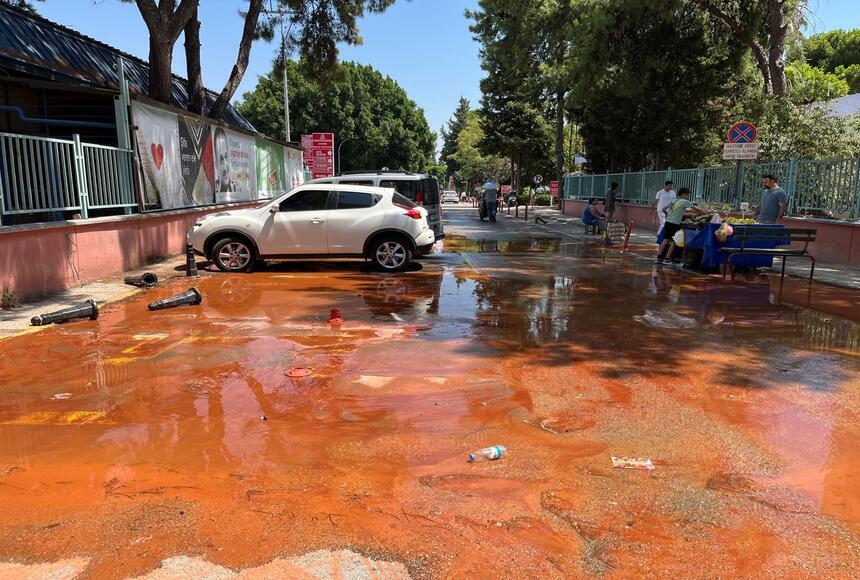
[[390, 254], [233, 255]]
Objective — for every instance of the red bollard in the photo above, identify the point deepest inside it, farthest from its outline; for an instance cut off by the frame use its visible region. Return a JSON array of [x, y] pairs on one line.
[[627, 236], [527, 212], [518, 210], [335, 317]]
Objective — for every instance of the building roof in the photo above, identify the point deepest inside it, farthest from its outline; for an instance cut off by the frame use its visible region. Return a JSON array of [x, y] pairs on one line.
[[43, 49], [843, 106]]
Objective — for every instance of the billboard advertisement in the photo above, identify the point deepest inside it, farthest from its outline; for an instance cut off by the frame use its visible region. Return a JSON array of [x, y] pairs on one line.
[[186, 162], [270, 169], [158, 157], [235, 166]]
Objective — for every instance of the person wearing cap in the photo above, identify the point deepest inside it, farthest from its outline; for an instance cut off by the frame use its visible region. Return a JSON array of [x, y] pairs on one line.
[[491, 197], [664, 198]]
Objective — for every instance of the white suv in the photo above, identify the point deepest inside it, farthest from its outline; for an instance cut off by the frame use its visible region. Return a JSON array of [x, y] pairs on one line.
[[317, 221]]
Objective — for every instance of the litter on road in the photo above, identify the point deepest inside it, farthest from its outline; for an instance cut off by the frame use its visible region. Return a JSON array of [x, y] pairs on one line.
[[488, 454], [632, 463]]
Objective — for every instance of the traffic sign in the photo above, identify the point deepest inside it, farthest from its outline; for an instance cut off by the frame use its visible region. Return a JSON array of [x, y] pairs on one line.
[[743, 133], [538, 179], [740, 151]]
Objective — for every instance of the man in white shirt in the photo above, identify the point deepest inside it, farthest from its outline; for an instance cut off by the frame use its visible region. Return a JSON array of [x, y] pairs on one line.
[[664, 198]]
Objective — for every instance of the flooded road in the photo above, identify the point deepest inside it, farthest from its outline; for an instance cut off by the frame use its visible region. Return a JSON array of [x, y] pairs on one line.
[[145, 436]]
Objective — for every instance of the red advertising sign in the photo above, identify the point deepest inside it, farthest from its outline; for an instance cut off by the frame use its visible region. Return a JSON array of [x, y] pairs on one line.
[[319, 154], [553, 188]]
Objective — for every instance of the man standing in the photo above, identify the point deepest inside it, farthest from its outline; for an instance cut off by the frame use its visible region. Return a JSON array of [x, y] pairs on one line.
[[611, 197], [664, 198], [491, 196], [774, 200]]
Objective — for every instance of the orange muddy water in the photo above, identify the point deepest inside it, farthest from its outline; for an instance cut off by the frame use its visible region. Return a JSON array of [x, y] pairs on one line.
[[149, 435]]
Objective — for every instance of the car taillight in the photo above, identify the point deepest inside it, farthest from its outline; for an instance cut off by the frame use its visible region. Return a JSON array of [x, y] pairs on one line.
[[419, 198], [410, 212]]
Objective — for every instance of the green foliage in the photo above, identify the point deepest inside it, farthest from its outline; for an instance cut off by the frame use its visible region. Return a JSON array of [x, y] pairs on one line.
[[656, 79], [788, 131], [543, 199], [473, 165], [851, 75], [386, 128], [451, 135], [807, 84], [833, 49], [514, 111]]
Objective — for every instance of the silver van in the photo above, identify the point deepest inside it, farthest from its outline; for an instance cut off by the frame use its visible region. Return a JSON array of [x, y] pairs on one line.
[[422, 188]]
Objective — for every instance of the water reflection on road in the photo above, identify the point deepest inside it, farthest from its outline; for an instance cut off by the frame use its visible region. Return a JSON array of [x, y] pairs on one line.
[[181, 431]]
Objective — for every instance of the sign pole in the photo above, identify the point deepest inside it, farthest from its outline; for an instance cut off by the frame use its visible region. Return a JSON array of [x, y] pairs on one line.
[[739, 182]]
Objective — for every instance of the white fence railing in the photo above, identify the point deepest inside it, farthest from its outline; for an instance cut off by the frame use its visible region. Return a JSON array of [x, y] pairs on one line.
[[38, 174]]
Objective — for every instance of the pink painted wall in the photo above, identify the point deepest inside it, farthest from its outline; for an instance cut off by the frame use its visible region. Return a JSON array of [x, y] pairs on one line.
[[836, 242], [40, 259]]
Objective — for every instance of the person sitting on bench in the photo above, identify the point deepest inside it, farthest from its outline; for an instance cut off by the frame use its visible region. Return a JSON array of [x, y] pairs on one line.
[[592, 216]]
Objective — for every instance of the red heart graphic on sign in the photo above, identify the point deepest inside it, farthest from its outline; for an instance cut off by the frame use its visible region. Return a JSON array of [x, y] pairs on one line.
[[157, 154]]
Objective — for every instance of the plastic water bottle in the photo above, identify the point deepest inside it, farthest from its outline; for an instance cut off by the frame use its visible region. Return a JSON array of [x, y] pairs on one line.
[[488, 454]]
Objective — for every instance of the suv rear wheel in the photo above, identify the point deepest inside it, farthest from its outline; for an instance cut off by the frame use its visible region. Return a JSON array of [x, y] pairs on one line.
[[233, 255], [390, 254]]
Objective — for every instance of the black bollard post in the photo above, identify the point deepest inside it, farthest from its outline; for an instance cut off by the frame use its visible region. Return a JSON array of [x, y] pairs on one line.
[[191, 297], [145, 280], [88, 309], [190, 262]]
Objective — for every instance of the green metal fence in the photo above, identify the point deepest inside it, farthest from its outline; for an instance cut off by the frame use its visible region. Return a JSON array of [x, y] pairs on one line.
[[39, 174], [829, 188]]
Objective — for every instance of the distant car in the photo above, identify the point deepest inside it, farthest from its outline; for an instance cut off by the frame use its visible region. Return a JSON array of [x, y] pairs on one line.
[[450, 197], [318, 221]]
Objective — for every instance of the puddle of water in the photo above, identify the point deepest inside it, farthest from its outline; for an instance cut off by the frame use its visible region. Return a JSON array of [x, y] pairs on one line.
[[184, 428]]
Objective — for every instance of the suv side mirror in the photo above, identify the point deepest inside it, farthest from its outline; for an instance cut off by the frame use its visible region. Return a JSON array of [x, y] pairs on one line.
[[273, 209]]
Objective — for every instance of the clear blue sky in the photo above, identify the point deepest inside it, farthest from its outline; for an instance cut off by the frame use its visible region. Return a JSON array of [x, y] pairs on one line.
[[424, 45]]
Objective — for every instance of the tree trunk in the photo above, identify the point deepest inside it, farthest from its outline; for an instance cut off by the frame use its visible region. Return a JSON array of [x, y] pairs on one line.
[[778, 32], [196, 92], [160, 75], [241, 60], [559, 139], [165, 23]]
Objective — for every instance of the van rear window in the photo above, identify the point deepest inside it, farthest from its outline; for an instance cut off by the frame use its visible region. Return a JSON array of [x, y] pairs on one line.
[[428, 187]]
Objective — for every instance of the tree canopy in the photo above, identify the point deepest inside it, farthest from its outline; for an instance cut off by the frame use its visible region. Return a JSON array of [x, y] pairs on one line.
[[385, 128], [315, 27]]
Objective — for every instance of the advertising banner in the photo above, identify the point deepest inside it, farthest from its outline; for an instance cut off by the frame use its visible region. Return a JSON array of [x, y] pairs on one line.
[[271, 179], [197, 161], [319, 153], [158, 149], [294, 167], [553, 188], [235, 166]]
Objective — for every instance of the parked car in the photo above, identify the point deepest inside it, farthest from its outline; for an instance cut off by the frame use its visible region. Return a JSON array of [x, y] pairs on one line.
[[318, 221], [450, 197], [421, 188]]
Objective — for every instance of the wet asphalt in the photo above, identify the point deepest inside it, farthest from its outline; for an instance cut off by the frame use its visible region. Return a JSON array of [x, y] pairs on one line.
[[249, 428]]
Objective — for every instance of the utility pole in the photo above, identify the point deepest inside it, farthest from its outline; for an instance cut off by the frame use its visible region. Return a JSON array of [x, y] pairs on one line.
[[339, 168], [283, 15]]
